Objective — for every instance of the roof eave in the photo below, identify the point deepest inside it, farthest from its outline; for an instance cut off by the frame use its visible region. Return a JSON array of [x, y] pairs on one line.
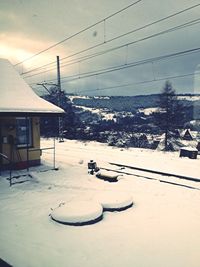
[[31, 114]]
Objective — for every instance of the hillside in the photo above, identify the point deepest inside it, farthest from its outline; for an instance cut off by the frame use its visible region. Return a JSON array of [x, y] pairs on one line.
[[110, 119], [117, 103], [129, 103]]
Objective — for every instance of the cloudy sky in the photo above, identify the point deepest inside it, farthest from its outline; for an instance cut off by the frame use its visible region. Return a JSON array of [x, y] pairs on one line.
[[119, 55]]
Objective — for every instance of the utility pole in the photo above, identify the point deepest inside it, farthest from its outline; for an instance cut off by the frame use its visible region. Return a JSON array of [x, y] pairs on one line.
[[58, 96], [60, 122], [58, 73]]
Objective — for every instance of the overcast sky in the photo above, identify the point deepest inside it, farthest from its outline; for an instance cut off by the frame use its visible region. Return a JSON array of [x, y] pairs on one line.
[[30, 26]]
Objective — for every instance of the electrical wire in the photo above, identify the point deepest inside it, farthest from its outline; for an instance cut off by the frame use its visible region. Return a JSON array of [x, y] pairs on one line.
[[152, 80], [117, 37], [132, 64], [81, 31], [181, 26], [115, 68], [141, 82]]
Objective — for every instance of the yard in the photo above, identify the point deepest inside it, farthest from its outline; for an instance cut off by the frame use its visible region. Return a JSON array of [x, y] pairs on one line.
[[160, 229]]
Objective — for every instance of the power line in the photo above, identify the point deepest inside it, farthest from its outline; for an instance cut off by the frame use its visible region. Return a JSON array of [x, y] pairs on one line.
[[107, 71], [132, 64], [191, 23], [142, 82], [181, 26], [154, 79], [119, 36], [111, 69], [81, 31]]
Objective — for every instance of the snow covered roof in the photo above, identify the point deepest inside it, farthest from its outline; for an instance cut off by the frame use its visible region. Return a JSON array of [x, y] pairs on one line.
[[17, 97]]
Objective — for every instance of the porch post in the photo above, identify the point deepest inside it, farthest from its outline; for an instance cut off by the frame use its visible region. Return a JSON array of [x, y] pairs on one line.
[[54, 153], [27, 144]]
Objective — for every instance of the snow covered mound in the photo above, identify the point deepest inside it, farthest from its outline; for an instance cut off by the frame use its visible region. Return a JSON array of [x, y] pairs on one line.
[[109, 176], [115, 201], [78, 213]]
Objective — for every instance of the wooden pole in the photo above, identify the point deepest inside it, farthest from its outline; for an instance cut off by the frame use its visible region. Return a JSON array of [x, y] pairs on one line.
[[60, 131], [27, 143]]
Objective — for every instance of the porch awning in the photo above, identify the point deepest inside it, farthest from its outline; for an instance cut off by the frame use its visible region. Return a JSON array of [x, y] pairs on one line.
[[18, 99]]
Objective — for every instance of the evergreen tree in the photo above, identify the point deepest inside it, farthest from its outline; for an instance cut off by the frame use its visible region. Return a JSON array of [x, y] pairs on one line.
[[170, 114], [50, 126]]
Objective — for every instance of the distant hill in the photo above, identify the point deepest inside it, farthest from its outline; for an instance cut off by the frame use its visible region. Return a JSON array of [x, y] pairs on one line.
[[129, 103]]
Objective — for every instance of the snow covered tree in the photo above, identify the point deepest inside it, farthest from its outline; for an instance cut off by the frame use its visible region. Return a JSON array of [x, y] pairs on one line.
[[50, 126], [170, 114]]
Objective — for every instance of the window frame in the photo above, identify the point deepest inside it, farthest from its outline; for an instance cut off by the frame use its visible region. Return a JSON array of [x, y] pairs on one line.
[[26, 120]]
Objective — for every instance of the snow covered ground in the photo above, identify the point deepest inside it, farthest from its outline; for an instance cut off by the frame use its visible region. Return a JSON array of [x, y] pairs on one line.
[[161, 229], [189, 98], [148, 111], [104, 113]]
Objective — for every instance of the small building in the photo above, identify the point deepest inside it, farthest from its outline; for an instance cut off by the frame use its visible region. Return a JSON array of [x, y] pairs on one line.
[[189, 152], [198, 147], [187, 135], [20, 112]]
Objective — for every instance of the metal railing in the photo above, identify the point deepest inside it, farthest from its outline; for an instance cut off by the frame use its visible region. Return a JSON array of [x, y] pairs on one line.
[[10, 166], [43, 149]]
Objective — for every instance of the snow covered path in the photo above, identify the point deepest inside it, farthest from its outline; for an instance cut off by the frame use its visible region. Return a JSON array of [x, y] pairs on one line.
[[161, 229], [74, 151]]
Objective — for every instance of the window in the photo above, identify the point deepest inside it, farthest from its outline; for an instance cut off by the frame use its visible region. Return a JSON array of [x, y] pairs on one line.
[[23, 132]]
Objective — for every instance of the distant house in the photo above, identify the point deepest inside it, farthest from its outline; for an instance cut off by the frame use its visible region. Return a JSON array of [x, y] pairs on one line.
[[20, 110], [198, 147], [187, 135], [198, 136]]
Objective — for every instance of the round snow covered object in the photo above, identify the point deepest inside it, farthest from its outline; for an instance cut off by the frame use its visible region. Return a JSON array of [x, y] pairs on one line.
[[113, 201], [109, 176], [78, 213]]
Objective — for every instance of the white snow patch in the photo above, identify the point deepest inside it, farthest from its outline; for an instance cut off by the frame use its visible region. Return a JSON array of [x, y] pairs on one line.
[[72, 97], [148, 111], [189, 148], [92, 110], [161, 230], [114, 200], [101, 112], [101, 97], [18, 96], [74, 212], [189, 98]]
